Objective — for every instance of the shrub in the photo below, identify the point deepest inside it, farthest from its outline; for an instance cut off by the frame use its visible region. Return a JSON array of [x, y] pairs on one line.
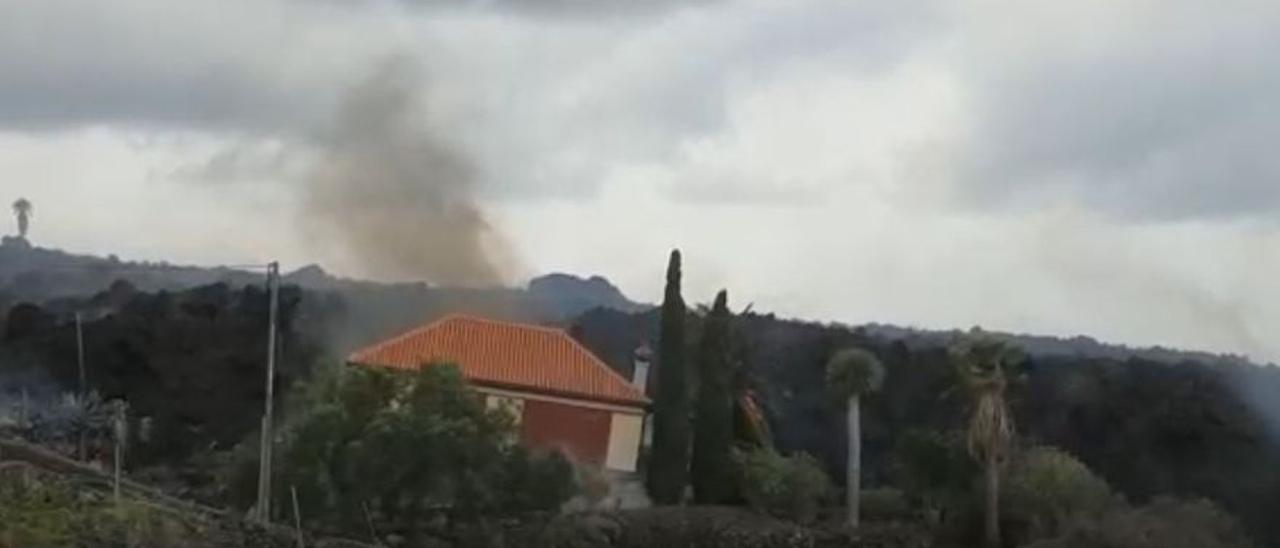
[[792, 487], [1047, 490], [45, 511], [35, 513], [535, 481], [1165, 523], [404, 447], [934, 469]]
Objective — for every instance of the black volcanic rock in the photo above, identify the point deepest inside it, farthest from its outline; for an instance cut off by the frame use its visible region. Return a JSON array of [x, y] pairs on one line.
[[355, 312], [193, 361]]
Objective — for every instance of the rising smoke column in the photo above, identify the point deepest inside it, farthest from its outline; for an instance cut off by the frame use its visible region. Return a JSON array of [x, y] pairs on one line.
[[394, 194]]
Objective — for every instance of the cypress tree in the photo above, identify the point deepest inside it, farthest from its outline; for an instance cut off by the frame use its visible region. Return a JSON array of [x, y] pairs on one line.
[[669, 461], [712, 476]]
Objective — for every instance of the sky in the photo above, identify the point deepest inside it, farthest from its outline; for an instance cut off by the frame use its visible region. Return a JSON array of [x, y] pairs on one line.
[[1093, 167]]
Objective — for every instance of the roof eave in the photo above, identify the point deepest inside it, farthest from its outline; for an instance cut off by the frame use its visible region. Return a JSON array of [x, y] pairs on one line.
[[624, 402]]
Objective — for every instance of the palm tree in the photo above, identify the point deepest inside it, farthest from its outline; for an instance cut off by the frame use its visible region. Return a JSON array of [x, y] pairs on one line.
[[851, 373], [983, 364], [22, 209]]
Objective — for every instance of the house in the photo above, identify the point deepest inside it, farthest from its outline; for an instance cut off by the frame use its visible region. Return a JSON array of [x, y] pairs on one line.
[[563, 397]]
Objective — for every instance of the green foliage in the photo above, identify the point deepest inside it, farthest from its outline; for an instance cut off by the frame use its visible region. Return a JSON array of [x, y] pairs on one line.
[[933, 468], [36, 513], [712, 470], [792, 487], [984, 363], [1048, 490], [1165, 523], [534, 482], [405, 444], [49, 512], [854, 371], [1150, 421], [669, 462]]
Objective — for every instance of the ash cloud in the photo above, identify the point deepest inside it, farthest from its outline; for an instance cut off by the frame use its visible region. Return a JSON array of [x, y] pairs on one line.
[[390, 189]]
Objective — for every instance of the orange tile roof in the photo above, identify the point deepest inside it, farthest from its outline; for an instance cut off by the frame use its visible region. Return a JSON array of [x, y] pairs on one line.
[[506, 355]]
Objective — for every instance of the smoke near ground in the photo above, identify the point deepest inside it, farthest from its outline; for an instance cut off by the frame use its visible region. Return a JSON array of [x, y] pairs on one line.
[[392, 193]]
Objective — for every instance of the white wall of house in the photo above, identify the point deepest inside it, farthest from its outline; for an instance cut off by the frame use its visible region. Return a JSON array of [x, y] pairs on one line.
[[625, 430]]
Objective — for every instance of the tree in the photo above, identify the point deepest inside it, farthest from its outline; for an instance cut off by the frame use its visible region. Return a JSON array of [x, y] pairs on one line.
[[851, 373], [983, 363], [669, 464], [22, 209], [712, 475], [1048, 490], [399, 446], [793, 487]]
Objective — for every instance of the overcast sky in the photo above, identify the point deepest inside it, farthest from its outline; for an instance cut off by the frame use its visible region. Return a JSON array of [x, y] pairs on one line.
[[1100, 167]]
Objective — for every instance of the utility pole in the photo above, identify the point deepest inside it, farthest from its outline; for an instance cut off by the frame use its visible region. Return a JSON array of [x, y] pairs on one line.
[[268, 438], [83, 396], [80, 351], [121, 434]]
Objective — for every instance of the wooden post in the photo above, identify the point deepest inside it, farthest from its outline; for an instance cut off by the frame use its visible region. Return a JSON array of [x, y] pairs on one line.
[[81, 449], [297, 517], [120, 434], [23, 412]]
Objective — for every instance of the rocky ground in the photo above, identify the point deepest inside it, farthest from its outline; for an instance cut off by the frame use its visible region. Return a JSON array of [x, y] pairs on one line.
[[707, 527]]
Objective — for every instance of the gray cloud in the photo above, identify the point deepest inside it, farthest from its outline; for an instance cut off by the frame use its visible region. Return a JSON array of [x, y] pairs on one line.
[[243, 161], [1141, 111], [1160, 112], [576, 9], [229, 67]]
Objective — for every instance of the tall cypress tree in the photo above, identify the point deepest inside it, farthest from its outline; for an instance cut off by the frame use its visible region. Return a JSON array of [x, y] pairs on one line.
[[712, 477], [669, 462]]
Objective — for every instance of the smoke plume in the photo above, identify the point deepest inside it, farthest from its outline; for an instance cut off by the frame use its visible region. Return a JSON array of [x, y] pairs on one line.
[[392, 193]]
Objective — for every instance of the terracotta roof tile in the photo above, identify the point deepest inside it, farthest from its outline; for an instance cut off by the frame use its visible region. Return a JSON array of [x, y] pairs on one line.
[[506, 355]]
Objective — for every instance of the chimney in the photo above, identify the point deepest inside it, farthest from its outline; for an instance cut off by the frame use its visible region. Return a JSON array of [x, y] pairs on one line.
[[640, 368]]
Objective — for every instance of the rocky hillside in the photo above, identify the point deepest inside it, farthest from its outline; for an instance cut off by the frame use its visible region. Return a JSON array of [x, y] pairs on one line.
[[356, 311]]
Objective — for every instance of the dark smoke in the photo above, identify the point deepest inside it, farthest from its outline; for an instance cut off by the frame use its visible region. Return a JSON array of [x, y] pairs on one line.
[[391, 191]]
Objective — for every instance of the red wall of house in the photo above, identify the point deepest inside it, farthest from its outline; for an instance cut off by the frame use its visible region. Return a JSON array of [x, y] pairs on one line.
[[582, 434]]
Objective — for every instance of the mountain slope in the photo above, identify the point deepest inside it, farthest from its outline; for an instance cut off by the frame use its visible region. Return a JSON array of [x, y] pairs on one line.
[[355, 311]]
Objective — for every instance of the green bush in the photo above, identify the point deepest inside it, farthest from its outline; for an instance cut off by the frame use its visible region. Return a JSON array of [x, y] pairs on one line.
[[405, 447], [49, 512], [1047, 490], [933, 469], [534, 482], [792, 487], [1165, 523], [36, 513]]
